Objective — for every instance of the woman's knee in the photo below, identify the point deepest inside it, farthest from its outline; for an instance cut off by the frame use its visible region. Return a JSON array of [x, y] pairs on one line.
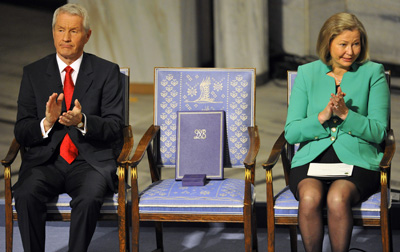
[[311, 193], [342, 196]]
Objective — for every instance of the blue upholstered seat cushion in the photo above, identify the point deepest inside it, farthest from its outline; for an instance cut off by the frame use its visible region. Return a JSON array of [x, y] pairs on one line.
[[287, 206], [216, 197], [60, 204]]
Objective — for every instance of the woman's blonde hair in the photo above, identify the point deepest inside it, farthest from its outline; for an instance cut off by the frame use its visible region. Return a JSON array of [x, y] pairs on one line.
[[334, 26]]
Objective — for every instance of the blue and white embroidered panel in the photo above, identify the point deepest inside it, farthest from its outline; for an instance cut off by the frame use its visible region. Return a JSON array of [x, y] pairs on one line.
[[205, 89], [215, 197]]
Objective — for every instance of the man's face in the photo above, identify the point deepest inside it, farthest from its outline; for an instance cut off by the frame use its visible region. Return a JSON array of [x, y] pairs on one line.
[[69, 37]]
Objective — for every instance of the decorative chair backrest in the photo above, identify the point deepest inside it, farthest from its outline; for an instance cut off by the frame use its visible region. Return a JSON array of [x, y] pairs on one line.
[[205, 89]]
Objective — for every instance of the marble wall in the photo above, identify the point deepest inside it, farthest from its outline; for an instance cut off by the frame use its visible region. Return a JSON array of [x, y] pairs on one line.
[[143, 34], [295, 24], [241, 34]]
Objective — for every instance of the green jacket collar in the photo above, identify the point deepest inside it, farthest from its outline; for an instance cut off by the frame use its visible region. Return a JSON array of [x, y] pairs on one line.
[[328, 69]]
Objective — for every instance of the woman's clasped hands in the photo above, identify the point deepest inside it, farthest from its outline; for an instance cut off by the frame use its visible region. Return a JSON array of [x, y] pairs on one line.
[[336, 106]]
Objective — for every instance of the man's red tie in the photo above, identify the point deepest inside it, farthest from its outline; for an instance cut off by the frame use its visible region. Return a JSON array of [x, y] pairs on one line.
[[67, 149]]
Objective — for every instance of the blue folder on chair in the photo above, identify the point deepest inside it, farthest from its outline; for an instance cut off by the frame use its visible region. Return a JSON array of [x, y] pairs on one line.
[[200, 144]]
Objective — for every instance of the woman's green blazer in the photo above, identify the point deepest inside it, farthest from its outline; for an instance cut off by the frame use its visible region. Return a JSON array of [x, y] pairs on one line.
[[356, 140]]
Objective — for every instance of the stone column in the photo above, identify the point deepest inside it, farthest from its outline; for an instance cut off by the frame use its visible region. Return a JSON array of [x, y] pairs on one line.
[[241, 34], [295, 25], [143, 34]]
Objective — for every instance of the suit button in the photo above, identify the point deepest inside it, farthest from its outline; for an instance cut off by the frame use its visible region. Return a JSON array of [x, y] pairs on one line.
[[315, 137], [333, 138], [349, 132], [333, 129]]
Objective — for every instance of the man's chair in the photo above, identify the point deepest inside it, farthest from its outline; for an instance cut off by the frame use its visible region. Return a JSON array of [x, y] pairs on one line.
[[227, 200], [282, 208], [114, 207]]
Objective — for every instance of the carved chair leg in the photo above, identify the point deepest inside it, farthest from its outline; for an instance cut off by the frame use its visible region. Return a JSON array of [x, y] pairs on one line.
[[135, 235], [8, 209], [135, 219], [386, 237], [293, 238], [127, 228], [122, 237], [247, 233], [9, 235], [254, 230], [159, 236], [390, 239], [271, 233], [122, 228]]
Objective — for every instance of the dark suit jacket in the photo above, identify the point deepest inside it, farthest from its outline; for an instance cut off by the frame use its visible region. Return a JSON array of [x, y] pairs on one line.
[[98, 90]]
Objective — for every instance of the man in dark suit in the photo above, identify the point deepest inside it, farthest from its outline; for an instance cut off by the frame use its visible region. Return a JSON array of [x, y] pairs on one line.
[[71, 137]]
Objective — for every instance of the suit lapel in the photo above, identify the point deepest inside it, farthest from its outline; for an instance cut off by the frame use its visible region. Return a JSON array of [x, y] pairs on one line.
[[84, 80]]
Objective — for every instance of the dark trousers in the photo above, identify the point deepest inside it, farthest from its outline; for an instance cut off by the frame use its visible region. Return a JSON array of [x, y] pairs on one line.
[[37, 186]]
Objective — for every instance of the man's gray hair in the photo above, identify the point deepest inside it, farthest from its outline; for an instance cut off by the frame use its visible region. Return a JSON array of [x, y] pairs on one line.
[[73, 9]]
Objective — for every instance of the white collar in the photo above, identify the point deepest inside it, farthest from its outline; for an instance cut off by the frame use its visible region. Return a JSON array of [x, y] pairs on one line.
[[75, 65]]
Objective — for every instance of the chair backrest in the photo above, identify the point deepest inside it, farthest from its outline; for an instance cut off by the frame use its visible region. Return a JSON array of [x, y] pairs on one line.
[[205, 89], [125, 82]]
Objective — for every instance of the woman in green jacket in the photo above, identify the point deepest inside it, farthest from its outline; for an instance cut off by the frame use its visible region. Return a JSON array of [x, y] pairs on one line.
[[338, 112]]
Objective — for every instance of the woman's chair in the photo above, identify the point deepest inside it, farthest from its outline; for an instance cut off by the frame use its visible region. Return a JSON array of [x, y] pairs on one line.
[[227, 200], [114, 207], [282, 208]]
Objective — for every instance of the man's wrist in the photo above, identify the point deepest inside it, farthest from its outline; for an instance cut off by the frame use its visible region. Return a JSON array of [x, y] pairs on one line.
[[47, 125], [80, 124]]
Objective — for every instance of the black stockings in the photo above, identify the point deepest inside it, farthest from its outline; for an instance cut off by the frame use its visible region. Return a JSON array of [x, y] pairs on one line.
[[339, 199]]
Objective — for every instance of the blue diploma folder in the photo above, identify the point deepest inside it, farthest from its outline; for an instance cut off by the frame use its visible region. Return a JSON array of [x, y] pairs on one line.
[[200, 144]]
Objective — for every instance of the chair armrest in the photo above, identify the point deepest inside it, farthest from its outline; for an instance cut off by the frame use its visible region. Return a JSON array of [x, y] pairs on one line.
[[12, 153], [390, 149], [275, 152], [250, 159], [144, 143], [128, 145]]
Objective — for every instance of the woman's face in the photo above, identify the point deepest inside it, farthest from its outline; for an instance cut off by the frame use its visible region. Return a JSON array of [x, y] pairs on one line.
[[345, 49]]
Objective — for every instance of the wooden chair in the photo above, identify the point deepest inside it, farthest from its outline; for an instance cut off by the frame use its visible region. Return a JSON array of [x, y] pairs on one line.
[[114, 207], [189, 89], [282, 208]]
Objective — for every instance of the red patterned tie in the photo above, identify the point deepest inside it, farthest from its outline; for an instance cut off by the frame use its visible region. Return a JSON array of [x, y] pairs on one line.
[[67, 149]]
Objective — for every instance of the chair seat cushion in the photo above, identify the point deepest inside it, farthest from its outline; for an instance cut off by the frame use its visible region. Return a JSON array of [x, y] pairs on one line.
[[60, 204], [216, 197], [287, 206]]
